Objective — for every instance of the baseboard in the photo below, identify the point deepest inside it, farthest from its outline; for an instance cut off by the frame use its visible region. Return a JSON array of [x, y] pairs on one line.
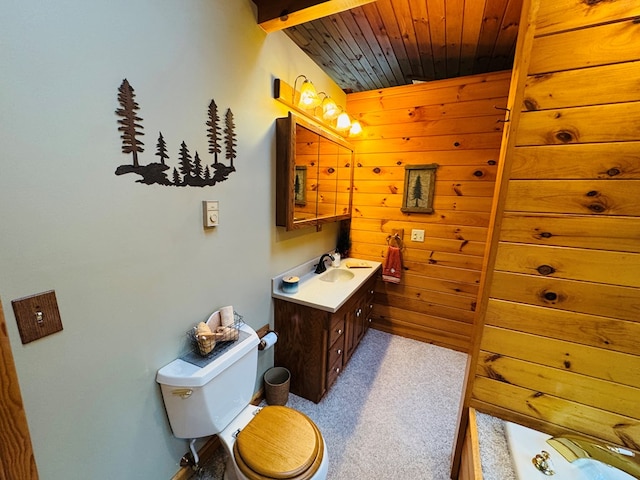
[[205, 454]]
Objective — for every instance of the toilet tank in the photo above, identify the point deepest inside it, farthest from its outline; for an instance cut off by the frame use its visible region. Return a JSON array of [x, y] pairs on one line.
[[202, 400]]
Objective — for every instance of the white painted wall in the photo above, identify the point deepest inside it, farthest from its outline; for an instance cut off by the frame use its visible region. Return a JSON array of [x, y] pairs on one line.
[[131, 265]]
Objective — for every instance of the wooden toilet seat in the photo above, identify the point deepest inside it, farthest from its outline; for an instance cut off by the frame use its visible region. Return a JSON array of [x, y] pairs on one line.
[[279, 443]]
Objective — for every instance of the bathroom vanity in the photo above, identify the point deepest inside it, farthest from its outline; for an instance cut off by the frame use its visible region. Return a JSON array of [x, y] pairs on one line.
[[320, 326]]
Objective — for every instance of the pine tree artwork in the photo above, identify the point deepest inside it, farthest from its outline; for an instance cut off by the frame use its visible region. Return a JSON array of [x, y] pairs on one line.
[[419, 185], [189, 171]]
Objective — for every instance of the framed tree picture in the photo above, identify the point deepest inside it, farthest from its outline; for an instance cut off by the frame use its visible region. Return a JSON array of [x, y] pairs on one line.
[[419, 185], [300, 185]]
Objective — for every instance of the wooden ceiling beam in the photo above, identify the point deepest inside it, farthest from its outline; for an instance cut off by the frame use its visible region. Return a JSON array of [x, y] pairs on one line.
[[274, 15]]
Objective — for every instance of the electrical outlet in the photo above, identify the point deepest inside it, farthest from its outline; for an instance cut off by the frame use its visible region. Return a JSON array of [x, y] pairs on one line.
[[417, 235]]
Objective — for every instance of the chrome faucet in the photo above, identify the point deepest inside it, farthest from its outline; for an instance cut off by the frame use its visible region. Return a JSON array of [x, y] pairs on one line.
[[573, 447], [321, 267]]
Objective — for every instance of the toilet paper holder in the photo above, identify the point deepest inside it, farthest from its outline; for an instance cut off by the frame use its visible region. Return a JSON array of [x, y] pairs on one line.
[[268, 339]]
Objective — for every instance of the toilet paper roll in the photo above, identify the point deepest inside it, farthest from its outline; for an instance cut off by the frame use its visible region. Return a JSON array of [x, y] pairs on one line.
[[226, 316], [268, 340]]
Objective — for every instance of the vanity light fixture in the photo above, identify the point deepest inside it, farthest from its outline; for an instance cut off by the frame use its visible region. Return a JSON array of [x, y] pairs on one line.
[[356, 128], [330, 109], [308, 96], [343, 122], [329, 114]]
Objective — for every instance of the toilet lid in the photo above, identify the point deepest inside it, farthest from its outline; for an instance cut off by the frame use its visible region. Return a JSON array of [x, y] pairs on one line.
[[281, 443]]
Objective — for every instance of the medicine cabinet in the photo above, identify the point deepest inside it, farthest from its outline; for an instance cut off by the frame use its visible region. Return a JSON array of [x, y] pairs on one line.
[[313, 175]]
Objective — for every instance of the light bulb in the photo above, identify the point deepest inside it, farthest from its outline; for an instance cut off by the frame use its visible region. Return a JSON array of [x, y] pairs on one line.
[[308, 96], [343, 121], [356, 128], [329, 109]]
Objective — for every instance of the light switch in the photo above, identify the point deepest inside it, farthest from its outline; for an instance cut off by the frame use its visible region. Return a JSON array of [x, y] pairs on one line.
[[210, 212], [37, 316]]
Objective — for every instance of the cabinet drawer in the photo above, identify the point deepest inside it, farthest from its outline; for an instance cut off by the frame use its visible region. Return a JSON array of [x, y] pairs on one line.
[[333, 372], [337, 329], [336, 350]]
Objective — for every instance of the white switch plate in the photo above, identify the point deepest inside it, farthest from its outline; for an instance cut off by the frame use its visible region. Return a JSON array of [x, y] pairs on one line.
[[210, 214], [417, 235]]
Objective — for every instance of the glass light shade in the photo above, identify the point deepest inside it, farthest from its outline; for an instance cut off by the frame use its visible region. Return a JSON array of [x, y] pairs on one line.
[[343, 121], [329, 109], [308, 96], [356, 128]]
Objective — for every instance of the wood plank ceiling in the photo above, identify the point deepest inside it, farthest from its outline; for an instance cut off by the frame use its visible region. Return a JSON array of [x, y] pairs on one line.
[[386, 43]]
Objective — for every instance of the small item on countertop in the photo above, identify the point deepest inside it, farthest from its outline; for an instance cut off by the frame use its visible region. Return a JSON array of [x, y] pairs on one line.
[[290, 284], [336, 260], [351, 263]]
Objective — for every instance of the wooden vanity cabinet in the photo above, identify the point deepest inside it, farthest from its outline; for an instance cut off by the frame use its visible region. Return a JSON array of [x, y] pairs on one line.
[[315, 345]]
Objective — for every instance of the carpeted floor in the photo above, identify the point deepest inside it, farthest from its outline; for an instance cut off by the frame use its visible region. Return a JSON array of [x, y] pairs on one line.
[[391, 414]]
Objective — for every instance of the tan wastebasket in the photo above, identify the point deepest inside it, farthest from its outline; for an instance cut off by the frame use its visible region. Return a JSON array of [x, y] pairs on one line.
[[276, 385]]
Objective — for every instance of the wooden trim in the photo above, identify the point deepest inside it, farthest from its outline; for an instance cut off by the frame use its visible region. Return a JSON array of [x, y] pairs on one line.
[[274, 15], [17, 461], [471, 465]]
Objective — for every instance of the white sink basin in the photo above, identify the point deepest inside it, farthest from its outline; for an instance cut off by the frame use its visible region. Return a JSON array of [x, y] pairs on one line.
[[329, 290], [337, 275]]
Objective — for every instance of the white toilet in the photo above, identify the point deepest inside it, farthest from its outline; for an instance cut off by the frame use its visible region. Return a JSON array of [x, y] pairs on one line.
[[214, 399]]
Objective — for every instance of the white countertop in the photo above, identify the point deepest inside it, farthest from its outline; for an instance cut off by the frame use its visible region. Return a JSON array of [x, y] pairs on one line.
[[315, 293]]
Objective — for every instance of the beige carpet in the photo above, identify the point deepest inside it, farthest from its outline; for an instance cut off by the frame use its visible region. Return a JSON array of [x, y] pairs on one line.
[[391, 414]]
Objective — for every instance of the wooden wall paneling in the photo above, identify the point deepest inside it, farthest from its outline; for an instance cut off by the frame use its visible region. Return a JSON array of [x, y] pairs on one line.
[[566, 88], [605, 161], [613, 123], [610, 396], [578, 196], [614, 42], [576, 296], [559, 304], [597, 331], [602, 266], [452, 123], [614, 233], [559, 411], [561, 15], [450, 91]]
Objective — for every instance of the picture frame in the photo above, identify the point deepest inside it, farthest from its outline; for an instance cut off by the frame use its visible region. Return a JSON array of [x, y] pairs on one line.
[[419, 186], [300, 185]]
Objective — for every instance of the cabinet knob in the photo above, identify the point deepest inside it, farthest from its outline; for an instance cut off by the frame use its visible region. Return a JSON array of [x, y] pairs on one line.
[[369, 320], [358, 312], [337, 369], [339, 352], [339, 331]]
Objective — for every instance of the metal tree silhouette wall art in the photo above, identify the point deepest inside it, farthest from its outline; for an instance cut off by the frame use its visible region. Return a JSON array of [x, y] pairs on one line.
[[190, 171]]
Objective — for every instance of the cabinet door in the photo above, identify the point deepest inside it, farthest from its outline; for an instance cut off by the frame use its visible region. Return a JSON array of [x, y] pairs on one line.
[[305, 180], [345, 177], [327, 179], [302, 347]]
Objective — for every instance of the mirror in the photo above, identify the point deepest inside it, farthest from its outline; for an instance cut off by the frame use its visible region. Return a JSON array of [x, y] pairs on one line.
[[313, 174]]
